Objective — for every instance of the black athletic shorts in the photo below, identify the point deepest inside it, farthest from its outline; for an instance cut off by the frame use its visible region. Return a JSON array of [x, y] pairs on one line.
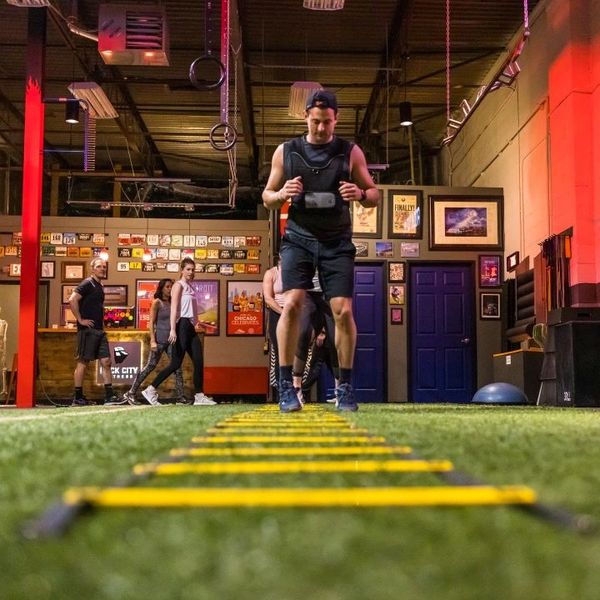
[[300, 256], [91, 344]]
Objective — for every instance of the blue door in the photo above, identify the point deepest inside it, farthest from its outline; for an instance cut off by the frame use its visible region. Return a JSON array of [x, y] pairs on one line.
[[369, 359], [442, 324]]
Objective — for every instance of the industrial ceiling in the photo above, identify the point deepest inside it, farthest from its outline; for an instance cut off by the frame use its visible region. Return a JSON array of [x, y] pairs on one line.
[[375, 54]]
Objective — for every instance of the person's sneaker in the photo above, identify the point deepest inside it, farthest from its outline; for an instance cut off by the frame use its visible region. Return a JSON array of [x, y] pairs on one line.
[[151, 396], [128, 398], [82, 402], [201, 399], [114, 401], [288, 398], [345, 397]]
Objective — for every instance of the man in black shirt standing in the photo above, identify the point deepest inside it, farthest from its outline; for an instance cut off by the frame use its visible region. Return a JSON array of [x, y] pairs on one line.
[[87, 304], [321, 174]]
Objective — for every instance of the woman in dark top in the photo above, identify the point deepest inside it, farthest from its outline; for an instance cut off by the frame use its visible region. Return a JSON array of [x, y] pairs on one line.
[[159, 326]]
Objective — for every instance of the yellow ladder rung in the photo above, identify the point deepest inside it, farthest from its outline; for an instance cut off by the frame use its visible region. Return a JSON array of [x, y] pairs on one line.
[[293, 451], [261, 439], [301, 497]]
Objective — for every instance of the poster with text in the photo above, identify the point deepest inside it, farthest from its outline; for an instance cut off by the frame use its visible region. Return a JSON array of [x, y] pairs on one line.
[[144, 295], [206, 293], [245, 315]]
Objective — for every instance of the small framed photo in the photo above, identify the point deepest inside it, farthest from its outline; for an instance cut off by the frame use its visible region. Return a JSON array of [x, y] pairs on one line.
[[512, 260], [489, 305], [396, 316], [115, 295], [409, 249], [47, 269], [396, 294], [490, 270], [73, 271], [67, 290], [396, 272], [405, 214], [384, 249], [14, 270]]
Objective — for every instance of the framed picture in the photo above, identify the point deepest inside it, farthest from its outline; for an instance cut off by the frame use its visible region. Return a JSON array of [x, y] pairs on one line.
[[14, 270], [115, 295], [144, 295], [396, 316], [384, 249], [47, 269], [489, 305], [245, 308], [410, 249], [396, 295], [67, 290], [490, 270], [206, 292], [73, 271], [396, 272], [465, 223], [67, 318], [512, 260], [405, 214], [366, 222]]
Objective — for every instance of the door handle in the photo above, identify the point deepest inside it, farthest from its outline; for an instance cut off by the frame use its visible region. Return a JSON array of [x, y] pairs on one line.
[[465, 340]]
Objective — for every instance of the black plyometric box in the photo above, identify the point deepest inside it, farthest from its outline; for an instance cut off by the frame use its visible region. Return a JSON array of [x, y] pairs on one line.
[[567, 314], [577, 363]]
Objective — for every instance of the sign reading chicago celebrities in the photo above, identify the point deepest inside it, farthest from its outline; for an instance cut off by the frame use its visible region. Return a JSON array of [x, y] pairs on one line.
[[245, 314]]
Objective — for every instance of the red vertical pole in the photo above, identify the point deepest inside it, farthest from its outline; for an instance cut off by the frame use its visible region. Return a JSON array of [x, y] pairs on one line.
[[31, 210]]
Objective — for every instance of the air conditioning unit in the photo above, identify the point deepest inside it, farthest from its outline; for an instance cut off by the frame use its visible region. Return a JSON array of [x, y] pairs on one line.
[[133, 35]]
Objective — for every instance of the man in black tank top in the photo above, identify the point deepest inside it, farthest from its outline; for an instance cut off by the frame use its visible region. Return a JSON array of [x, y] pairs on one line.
[[319, 174]]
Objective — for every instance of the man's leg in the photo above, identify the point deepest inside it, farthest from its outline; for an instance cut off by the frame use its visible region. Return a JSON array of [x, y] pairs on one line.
[[287, 341], [345, 343]]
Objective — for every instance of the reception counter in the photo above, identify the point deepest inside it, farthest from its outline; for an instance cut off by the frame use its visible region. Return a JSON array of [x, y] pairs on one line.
[[129, 352]]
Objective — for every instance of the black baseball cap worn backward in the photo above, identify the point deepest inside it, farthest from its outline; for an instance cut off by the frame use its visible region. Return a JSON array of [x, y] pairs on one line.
[[322, 99]]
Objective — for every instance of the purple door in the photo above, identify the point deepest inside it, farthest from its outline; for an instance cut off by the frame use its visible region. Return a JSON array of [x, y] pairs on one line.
[[369, 359], [441, 338]]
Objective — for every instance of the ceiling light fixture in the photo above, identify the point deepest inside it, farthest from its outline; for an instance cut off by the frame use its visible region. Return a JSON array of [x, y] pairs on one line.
[[72, 112], [406, 114], [323, 4], [299, 94], [99, 106]]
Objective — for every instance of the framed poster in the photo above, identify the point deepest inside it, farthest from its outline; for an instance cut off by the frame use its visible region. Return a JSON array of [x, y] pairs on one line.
[[366, 222], [115, 295], [67, 290], [245, 308], [144, 295], [396, 272], [67, 318], [512, 260], [489, 305], [206, 292], [405, 214], [465, 223], [396, 295], [490, 270], [73, 271], [47, 269], [396, 316]]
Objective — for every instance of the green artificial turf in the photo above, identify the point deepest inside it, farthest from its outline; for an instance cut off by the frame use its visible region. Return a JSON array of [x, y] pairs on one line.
[[328, 554]]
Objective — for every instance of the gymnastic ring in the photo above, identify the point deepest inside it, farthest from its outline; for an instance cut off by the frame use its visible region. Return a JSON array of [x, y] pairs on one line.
[[205, 84], [229, 136]]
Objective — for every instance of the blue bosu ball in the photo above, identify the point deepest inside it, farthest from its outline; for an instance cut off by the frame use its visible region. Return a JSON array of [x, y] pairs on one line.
[[499, 393]]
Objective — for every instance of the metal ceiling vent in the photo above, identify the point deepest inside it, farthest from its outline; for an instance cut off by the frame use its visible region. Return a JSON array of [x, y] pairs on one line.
[[133, 35]]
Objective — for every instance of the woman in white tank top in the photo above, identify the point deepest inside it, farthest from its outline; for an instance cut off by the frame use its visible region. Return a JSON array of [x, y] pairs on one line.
[[183, 336]]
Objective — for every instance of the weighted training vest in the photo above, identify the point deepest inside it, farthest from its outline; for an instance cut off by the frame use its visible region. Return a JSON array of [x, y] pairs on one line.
[[319, 211]]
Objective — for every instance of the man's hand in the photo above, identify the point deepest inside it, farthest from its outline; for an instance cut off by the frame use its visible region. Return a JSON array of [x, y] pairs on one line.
[[86, 322], [292, 187], [350, 192]]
